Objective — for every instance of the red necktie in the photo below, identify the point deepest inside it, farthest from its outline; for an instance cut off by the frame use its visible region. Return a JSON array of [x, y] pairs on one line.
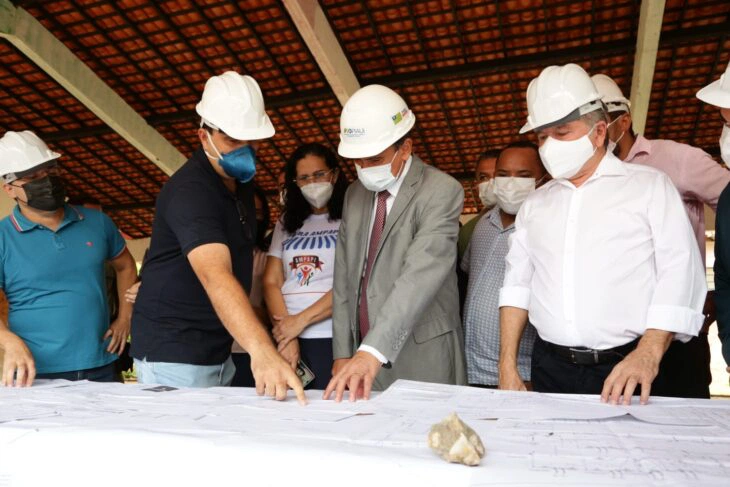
[[375, 235]]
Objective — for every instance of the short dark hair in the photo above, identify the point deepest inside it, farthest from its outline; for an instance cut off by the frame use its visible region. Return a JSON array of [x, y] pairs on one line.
[[489, 154], [521, 144], [398, 143], [525, 144], [486, 154], [296, 208]]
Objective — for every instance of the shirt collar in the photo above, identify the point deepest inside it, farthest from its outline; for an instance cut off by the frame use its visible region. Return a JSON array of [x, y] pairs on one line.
[[610, 165], [22, 224], [393, 190], [641, 146], [495, 218], [205, 164]]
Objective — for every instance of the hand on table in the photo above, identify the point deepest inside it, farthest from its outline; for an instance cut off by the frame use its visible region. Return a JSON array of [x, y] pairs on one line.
[[356, 374], [510, 380], [273, 375], [638, 368], [18, 363], [341, 362]]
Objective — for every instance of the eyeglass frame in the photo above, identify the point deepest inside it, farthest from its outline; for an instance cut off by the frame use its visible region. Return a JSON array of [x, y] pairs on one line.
[[306, 179]]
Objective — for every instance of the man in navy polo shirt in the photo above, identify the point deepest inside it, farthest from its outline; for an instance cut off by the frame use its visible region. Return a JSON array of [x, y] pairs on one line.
[[52, 259], [197, 273]]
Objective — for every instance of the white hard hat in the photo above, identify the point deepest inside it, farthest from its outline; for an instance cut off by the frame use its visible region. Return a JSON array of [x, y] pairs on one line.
[[233, 103], [610, 93], [557, 93], [23, 153], [372, 120], [718, 92]]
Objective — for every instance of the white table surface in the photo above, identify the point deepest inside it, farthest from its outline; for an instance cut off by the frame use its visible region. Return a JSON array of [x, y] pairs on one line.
[[63, 433]]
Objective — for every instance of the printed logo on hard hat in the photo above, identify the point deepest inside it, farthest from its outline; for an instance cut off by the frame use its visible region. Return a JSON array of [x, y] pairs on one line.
[[356, 132], [398, 117]]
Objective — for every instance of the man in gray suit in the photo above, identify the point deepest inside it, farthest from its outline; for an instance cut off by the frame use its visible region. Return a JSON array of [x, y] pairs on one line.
[[396, 308]]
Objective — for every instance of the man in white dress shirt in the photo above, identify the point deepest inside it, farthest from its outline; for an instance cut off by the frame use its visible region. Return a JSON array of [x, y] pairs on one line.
[[603, 258]]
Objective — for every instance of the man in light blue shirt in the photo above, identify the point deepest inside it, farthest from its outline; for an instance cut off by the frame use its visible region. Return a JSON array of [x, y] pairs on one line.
[[52, 259], [517, 173]]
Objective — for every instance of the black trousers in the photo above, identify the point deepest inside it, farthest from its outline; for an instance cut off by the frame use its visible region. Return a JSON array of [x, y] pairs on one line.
[[243, 376], [317, 354], [683, 372]]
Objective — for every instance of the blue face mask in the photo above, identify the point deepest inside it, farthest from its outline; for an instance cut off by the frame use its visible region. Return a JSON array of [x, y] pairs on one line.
[[239, 163]]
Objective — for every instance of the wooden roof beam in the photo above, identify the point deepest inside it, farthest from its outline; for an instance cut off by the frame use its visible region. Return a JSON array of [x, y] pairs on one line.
[[317, 33], [647, 43], [52, 56]]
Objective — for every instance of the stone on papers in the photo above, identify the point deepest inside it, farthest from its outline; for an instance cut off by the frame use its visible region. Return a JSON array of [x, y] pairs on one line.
[[456, 442]]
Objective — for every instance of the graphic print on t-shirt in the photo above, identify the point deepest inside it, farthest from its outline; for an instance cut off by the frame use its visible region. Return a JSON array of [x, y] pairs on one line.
[[304, 267]]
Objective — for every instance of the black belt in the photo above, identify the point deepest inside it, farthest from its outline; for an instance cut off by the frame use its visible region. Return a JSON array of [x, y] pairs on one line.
[[590, 356]]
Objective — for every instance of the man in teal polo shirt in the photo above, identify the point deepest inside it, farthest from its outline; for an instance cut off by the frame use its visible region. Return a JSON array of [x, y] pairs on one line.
[[52, 259]]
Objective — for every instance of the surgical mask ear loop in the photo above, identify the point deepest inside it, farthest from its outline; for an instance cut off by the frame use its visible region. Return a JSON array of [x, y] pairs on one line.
[[400, 171], [210, 140]]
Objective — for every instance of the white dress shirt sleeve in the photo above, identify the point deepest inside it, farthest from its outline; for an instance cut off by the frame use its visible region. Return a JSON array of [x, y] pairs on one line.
[[679, 295], [519, 268], [372, 351]]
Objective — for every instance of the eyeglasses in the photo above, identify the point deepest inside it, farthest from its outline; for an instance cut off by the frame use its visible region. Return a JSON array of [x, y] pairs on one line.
[[313, 178]]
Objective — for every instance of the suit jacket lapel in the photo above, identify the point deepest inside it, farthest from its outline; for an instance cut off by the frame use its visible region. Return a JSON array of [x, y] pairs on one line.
[[403, 198]]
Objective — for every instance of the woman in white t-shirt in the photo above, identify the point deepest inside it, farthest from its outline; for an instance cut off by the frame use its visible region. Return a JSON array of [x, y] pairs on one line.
[[299, 268]]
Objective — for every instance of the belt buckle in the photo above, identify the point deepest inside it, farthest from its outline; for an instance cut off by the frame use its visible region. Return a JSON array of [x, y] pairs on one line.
[[584, 352]]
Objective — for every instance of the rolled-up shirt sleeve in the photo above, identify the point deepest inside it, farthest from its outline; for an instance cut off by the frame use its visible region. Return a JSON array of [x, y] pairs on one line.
[[519, 268], [681, 287]]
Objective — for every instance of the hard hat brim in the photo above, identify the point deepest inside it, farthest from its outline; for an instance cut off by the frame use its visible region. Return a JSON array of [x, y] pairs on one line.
[[713, 94], [52, 162], [358, 151], [351, 150], [617, 106], [266, 131], [591, 106]]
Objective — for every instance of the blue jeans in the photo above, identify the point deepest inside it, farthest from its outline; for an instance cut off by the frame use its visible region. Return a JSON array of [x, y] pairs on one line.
[[105, 373], [184, 375]]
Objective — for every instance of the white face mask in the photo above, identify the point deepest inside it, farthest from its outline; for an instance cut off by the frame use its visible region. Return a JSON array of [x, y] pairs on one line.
[[317, 194], [378, 178], [564, 158], [611, 144], [486, 193], [725, 144], [512, 192]]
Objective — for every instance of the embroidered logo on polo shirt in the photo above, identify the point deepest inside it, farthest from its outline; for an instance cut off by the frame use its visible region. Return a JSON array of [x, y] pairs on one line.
[[304, 267], [89, 244]]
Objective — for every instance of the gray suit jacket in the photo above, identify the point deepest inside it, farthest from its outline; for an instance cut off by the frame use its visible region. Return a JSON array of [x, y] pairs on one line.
[[413, 301]]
